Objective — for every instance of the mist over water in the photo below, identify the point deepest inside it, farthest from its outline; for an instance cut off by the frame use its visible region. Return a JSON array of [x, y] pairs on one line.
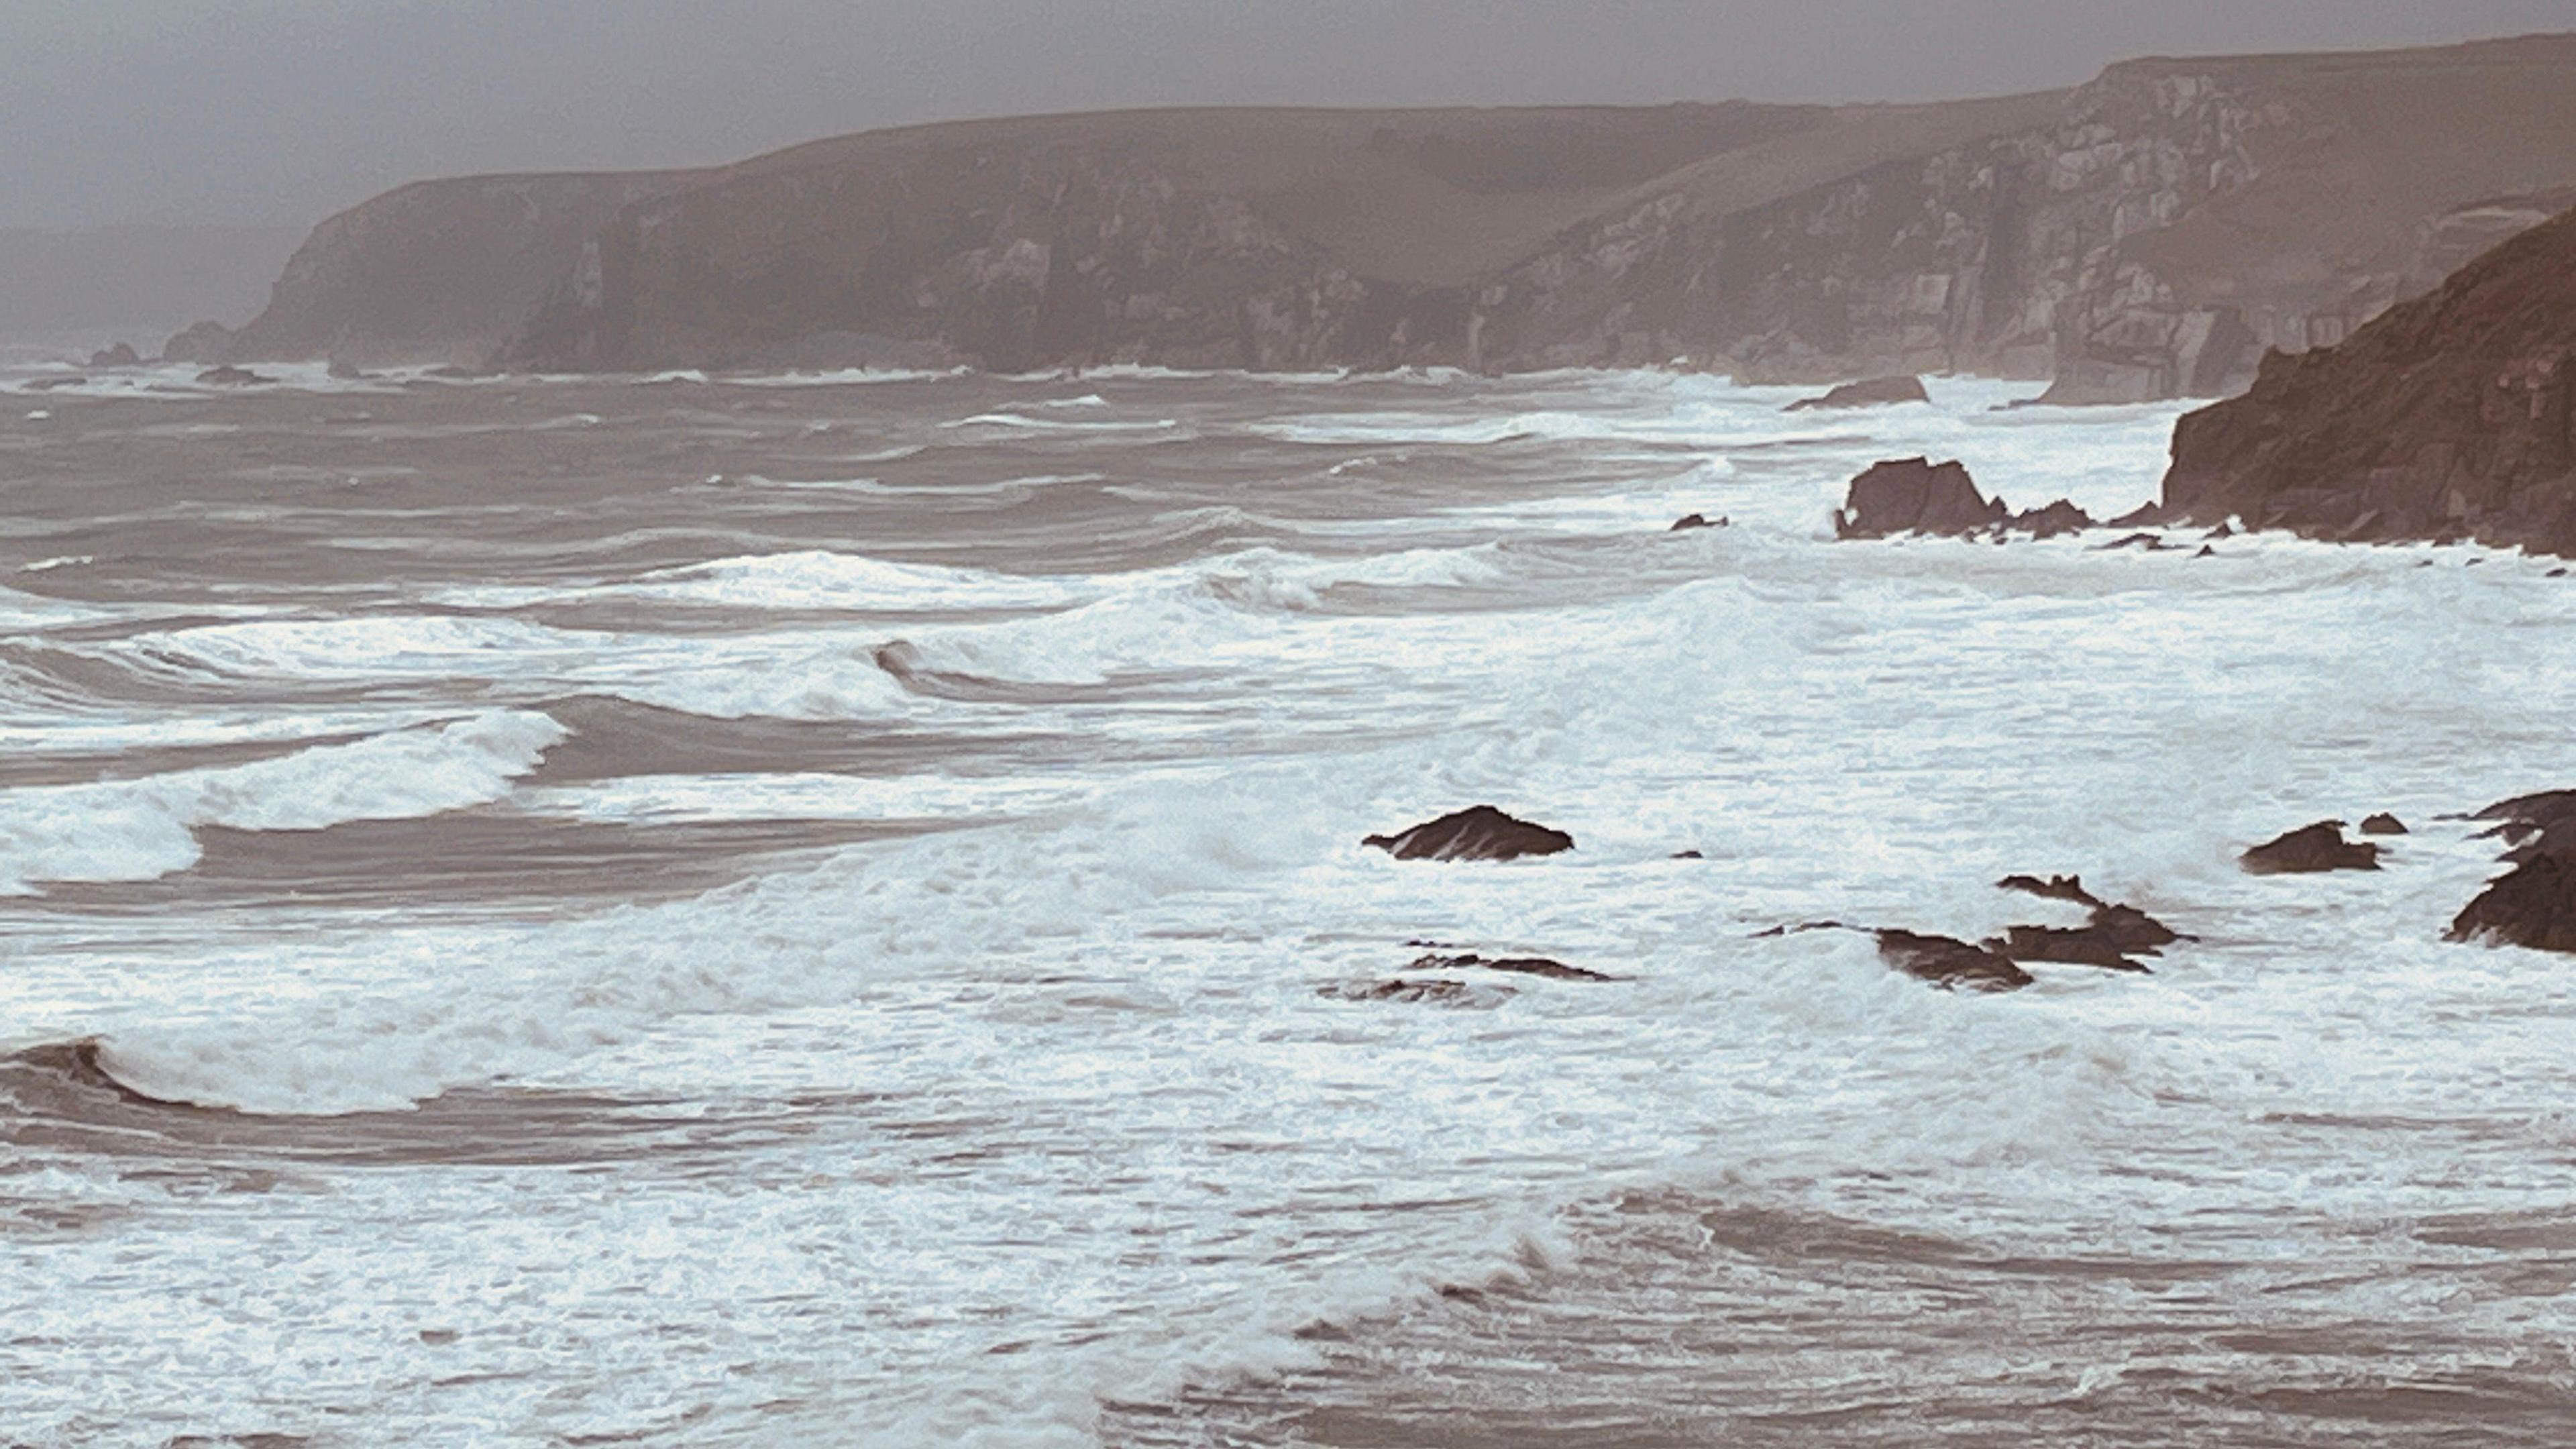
[[818, 910]]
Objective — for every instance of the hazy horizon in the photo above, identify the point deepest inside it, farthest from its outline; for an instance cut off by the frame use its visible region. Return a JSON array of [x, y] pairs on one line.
[[280, 112]]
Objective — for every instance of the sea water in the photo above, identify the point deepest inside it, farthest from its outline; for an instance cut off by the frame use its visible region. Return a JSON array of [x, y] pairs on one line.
[[822, 910]]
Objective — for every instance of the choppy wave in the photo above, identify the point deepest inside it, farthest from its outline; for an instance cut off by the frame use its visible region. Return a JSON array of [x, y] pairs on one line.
[[140, 829]]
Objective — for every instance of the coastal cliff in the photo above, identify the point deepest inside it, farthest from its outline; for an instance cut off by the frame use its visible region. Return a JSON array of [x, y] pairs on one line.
[[2453, 415], [2148, 235]]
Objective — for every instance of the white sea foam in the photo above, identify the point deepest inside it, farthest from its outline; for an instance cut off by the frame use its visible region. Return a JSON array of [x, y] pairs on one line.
[[808, 579], [140, 829]]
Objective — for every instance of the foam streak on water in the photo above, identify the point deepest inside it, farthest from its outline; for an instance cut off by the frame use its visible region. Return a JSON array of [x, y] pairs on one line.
[[818, 910]]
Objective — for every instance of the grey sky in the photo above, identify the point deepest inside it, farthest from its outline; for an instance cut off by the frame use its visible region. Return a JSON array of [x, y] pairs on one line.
[[280, 111]]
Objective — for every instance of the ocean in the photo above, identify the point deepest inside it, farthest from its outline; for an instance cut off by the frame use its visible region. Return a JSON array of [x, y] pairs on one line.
[[830, 910]]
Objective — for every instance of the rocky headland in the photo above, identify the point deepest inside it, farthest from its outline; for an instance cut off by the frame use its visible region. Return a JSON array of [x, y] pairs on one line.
[[2147, 235], [2453, 416]]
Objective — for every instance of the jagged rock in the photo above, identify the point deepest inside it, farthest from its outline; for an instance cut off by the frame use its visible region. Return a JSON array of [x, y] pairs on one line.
[[229, 376], [2383, 824], [2534, 904], [120, 355], [1875, 392], [2057, 518], [2309, 850], [1949, 962], [1912, 495], [211, 343], [1480, 832], [1693, 520], [1510, 965], [2112, 935]]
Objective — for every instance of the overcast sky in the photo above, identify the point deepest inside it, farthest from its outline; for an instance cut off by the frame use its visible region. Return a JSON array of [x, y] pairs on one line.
[[281, 111]]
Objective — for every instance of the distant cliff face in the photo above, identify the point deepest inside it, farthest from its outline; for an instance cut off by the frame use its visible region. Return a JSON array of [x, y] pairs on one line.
[[2454, 414], [438, 270], [2149, 235]]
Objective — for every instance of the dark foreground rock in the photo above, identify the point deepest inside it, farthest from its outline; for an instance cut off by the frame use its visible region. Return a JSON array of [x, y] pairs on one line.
[[2310, 850], [2110, 940], [1949, 962], [2534, 904], [1874, 393], [2383, 824], [1916, 495], [1480, 832]]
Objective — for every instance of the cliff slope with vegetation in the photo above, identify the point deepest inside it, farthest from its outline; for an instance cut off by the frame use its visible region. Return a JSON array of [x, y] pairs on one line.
[[2148, 235]]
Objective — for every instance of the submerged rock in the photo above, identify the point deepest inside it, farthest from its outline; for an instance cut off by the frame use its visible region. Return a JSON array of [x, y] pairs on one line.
[[2383, 824], [1434, 992], [1479, 832], [1510, 965], [2309, 850], [1694, 520], [1871, 393], [1915, 495]]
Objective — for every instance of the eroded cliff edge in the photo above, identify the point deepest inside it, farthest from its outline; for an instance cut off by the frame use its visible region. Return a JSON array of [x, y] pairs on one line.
[[2148, 235], [2453, 415]]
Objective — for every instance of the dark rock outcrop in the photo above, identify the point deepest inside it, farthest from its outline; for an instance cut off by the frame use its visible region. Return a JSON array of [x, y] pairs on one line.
[[2534, 904], [2453, 416], [2112, 936], [2309, 850], [1689, 521], [229, 376], [1480, 832], [2383, 824], [1949, 962], [120, 355], [2060, 517], [1872, 393], [2110, 940], [1914, 495], [2146, 235]]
